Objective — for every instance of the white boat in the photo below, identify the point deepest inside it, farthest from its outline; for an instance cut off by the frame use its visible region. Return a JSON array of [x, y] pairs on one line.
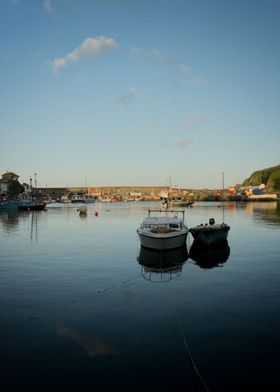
[[64, 199], [176, 202], [167, 231], [174, 197], [82, 198], [88, 198], [181, 202], [210, 234]]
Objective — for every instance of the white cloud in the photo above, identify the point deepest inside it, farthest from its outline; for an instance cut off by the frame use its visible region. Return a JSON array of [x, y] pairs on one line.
[[197, 80], [153, 122], [58, 63], [48, 6], [153, 54], [202, 119], [129, 96], [90, 48], [194, 122], [185, 69], [183, 143]]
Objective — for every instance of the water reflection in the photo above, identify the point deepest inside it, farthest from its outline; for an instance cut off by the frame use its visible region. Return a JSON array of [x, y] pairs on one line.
[[162, 266], [9, 220], [34, 226], [267, 212], [210, 256], [94, 346]]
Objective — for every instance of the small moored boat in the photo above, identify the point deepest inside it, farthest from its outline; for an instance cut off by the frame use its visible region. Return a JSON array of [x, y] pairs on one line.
[[209, 234]]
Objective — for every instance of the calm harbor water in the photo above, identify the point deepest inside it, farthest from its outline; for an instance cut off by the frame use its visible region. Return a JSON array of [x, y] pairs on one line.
[[83, 307]]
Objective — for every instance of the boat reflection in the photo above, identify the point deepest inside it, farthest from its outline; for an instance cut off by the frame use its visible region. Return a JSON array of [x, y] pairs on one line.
[[209, 256], [162, 265], [9, 220]]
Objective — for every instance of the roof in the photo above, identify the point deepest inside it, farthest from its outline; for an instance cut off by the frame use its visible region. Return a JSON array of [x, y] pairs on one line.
[[9, 174]]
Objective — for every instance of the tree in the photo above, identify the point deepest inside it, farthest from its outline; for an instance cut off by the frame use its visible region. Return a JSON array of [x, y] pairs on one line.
[[15, 188], [277, 184]]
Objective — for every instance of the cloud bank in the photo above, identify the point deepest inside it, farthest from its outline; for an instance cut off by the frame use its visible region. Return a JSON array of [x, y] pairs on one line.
[[48, 7], [90, 48]]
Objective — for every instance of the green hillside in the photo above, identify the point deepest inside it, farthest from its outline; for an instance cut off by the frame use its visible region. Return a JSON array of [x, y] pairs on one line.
[[270, 177]]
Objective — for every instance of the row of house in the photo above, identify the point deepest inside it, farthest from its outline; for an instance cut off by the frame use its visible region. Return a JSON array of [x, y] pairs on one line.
[[124, 193]]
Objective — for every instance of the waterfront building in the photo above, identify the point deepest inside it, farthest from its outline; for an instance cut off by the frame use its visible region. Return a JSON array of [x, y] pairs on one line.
[[5, 181]]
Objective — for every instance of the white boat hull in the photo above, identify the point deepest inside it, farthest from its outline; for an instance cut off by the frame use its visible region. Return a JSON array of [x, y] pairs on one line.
[[186, 203], [162, 241]]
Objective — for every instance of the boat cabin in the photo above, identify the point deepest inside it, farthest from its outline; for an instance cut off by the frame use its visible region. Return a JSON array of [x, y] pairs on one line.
[[151, 223]]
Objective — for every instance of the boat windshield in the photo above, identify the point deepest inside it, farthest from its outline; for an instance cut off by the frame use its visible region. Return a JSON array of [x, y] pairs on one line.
[[174, 225], [161, 225], [151, 225]]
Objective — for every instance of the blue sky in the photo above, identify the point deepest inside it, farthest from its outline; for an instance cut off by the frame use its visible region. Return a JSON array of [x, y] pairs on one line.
[[121, 92]]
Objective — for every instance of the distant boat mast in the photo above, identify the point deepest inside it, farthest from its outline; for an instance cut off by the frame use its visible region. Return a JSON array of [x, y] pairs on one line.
[[223, 185]]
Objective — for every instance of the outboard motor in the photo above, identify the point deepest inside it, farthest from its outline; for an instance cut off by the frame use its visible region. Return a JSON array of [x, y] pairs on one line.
[[211, 221]]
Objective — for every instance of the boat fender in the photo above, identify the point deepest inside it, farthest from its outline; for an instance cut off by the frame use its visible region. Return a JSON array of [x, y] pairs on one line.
[[211, 221]]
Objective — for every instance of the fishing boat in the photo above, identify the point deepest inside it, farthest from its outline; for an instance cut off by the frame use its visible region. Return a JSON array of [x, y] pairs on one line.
[[22, 205], [212, 232], [85, 198], [177, 201], [64, 199], [32, 205], [174, 197], [167, 231]]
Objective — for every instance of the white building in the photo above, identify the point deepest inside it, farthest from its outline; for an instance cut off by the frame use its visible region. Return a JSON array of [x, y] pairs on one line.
[[27, 188]]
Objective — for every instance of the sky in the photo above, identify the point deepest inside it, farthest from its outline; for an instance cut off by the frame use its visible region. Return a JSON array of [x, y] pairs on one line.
[[122, 92]]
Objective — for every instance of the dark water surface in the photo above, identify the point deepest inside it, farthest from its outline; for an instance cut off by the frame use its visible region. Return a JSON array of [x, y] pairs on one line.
[[82, 308]]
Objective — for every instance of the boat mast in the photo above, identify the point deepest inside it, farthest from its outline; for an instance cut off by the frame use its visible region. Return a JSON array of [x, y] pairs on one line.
[[223, 184]]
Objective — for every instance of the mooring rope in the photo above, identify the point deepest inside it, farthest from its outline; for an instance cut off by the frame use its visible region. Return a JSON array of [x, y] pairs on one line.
[[100, 291], [186, 346], [114, 286]]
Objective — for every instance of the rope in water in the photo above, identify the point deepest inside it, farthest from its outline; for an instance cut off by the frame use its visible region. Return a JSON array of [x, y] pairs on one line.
[[109, 287], [124, 282], [114, 286], [187, 349]]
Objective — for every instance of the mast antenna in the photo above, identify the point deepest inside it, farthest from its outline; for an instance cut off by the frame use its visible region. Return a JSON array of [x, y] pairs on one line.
[[223, 178]]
